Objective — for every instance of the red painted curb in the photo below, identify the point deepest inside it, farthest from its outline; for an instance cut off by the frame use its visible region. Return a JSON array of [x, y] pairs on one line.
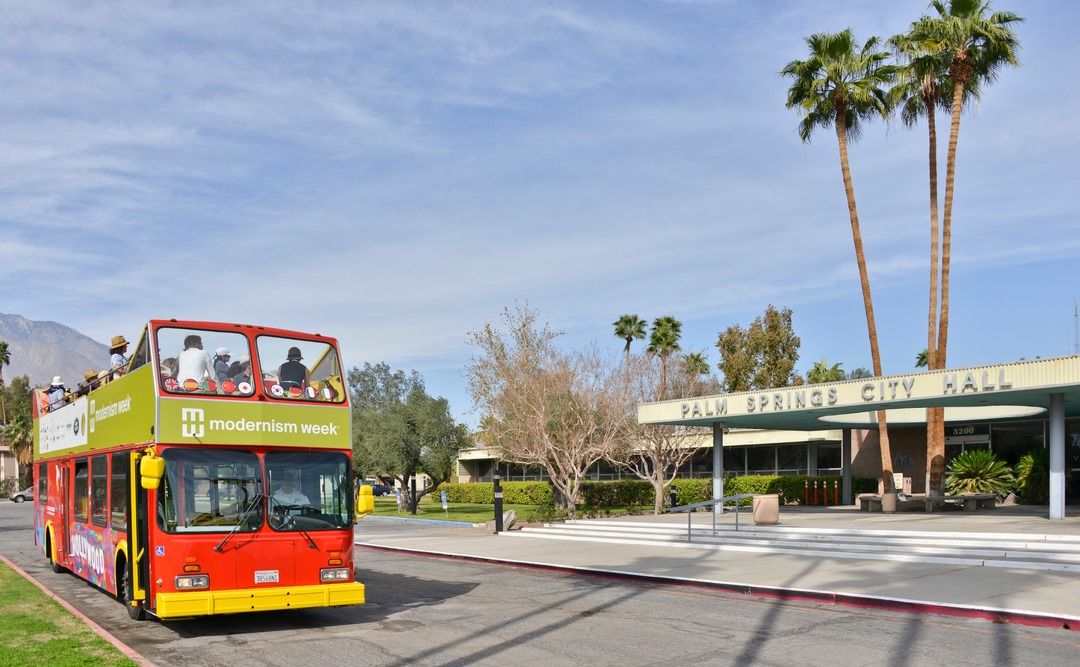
[[101, 632]]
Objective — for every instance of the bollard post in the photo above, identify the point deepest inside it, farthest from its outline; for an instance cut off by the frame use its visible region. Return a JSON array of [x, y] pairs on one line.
[[836, 492], [412, 489], [815, 492], [806, 492], [674, 496], [498, 505]]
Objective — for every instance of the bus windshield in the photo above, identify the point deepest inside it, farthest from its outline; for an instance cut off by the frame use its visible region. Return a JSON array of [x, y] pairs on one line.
[[309, 491], [210, 490]]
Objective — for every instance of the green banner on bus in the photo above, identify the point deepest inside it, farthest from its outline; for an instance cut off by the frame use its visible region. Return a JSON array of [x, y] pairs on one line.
[[187, 420]]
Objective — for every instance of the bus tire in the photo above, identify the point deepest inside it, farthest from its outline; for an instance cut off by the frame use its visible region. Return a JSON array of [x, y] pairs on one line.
[[135, 611], [53, 565]]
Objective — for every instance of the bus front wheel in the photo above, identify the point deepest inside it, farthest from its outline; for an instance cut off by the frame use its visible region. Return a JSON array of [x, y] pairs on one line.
[[126, 595]]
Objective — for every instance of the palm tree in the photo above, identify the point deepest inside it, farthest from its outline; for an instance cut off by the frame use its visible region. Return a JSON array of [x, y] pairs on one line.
[[840, 86], [5, 359], [629, 328], [922, 359], [823, 372], [968, 47], [20, 435], [664, 340], [695, 365]]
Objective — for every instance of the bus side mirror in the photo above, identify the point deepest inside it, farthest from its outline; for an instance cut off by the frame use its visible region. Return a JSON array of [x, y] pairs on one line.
[[151, 470], [365, 502]]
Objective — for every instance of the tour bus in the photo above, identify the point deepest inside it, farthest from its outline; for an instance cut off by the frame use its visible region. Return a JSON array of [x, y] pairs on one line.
[[186, 490]]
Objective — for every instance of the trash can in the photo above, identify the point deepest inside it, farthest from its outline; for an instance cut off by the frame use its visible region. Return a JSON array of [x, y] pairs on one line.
[[767, 509]]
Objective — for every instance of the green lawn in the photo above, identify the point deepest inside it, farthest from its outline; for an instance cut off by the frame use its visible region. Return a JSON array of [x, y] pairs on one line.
[[35, 630], [431, 508]]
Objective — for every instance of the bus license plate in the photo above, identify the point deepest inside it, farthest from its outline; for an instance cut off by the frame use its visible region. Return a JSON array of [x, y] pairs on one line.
[[266, 576]]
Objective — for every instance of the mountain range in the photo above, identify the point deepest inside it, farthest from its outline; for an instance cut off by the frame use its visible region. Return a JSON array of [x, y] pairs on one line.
[[42, 350]]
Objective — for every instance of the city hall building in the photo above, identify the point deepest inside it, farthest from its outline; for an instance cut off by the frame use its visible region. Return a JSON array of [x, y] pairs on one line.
[[831, 428]]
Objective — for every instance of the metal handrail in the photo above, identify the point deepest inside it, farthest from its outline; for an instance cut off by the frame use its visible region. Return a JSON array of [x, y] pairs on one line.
[[709, 503]]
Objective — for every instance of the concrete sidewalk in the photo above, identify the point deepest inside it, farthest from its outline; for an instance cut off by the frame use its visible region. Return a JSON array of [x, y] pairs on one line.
[[1012, 594]]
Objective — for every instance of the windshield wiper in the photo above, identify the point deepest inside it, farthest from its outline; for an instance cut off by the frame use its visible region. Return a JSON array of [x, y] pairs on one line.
[[241, 519]]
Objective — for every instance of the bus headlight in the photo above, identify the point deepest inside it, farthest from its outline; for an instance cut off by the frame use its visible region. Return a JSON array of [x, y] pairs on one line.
[[189, 581], [334, 574]]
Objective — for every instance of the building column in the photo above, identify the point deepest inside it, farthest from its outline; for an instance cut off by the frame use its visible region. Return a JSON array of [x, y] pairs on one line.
[[1056, 447], [845, 464], [718, 465]]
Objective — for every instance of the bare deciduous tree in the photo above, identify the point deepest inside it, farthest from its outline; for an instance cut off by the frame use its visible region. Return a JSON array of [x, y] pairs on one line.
[[655, 452], [560, 410]]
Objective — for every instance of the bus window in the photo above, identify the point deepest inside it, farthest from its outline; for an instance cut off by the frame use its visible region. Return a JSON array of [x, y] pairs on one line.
[[99, 489], [309, 491], [141, 356], [300, 369], [81, 489], [210, 490], [196, 361], [121, 461], [42, 494]]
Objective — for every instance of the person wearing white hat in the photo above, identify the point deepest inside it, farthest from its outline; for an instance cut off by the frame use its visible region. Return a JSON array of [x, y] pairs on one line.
[[55, 393], [221, 363]]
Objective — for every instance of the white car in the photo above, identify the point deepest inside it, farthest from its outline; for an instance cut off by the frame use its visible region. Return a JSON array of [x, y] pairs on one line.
[[22, 496]]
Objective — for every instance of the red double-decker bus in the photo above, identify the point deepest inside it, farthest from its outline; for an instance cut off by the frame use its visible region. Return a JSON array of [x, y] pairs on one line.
[[186, 488]]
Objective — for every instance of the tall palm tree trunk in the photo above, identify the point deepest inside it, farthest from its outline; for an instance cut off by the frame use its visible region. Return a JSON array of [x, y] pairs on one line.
[[868, 304], [935, 417]]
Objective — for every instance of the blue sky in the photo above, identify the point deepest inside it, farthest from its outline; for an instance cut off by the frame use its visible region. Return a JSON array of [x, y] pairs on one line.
[[396, 173]]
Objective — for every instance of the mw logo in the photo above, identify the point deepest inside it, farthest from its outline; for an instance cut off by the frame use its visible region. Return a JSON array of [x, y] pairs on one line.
[[192, 422]]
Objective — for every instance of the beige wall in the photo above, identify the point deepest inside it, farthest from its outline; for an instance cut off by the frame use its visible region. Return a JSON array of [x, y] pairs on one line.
[[908, 448]]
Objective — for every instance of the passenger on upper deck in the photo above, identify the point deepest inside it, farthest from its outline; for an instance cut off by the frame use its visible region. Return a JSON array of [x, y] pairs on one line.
[[55, 393], [292, 373], [244, 374], [221, 364], [194, 363], [90, 383], [117, 359]]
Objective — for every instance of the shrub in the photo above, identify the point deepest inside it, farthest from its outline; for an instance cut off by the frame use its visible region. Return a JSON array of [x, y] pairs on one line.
[[979, 471], [7, 487], [514, 493], [1033, 477]]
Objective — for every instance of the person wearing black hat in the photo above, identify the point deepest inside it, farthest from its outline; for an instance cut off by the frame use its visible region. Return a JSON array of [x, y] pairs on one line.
[[292, 373]]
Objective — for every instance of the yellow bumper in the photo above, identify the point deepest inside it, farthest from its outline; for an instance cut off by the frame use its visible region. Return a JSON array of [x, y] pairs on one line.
[[207, 603]]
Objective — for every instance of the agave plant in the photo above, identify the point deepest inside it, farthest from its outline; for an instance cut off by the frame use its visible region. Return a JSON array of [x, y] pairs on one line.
[[979, 471]]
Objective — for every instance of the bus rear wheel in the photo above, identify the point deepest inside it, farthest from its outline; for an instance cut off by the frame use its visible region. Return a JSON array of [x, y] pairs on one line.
[[135, 611], [53, 565]]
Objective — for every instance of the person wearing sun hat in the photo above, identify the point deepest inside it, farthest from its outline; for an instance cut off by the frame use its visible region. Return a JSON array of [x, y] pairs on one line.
[[292, 373], [91, 381], [55, 393], [118, 361]]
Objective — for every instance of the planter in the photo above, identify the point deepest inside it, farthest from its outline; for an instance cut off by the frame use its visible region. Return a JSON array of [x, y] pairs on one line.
[[888, 502], [767, 509]]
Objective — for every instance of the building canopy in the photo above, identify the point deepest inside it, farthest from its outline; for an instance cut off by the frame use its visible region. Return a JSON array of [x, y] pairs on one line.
[[1011, 391]]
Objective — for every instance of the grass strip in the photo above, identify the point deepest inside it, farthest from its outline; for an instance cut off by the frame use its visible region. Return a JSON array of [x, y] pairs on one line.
[[35, 630]]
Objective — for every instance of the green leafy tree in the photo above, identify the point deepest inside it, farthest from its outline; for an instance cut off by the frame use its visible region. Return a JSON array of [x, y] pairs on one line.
[[663, 342], [979, 471], [400, 436], [969, 45], [859, 374], [761, 356], [823, 372], [839, 86]]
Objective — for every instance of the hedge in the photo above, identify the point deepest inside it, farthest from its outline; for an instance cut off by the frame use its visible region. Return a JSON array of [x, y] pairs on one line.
[[632, 492]]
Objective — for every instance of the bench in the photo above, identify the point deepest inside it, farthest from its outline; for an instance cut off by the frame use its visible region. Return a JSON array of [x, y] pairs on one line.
[[968, 502]]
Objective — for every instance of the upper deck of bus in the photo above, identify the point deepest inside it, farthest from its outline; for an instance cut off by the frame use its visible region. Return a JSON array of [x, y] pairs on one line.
[[170, 393]]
